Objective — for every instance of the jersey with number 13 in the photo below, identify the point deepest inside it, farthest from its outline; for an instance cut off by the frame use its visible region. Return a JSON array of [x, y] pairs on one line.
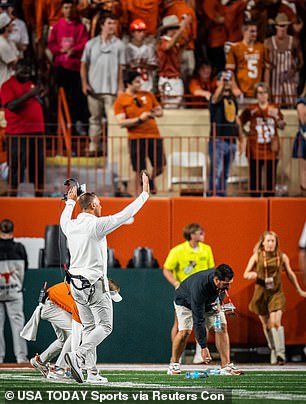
[[263, 127]]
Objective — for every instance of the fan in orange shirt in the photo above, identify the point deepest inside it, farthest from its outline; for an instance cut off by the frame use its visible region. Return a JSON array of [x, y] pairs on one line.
[[136, 110], [146, 10], [263, 141], [246, 60], [215, 33], [202, 84], [47, 12], [181, 9]]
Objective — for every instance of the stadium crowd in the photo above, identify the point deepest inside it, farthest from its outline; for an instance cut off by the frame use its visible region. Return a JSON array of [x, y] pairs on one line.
[[54, 33]]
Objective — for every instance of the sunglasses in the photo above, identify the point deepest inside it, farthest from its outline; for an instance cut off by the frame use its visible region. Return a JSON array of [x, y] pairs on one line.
[[138, 102], [200, 232]]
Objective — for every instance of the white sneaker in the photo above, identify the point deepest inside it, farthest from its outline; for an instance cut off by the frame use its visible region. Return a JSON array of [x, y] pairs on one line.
[[60, 374], [76, 371], [174, 369], [96, 379], [230, 370], [38, 364]]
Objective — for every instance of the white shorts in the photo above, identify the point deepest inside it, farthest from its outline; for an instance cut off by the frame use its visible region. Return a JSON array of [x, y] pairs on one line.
[[185, 321]]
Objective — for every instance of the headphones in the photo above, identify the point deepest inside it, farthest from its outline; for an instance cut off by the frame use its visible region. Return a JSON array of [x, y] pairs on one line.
[[71, 182]]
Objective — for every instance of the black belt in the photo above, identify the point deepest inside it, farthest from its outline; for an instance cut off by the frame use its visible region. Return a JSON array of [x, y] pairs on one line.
[[85, 282]]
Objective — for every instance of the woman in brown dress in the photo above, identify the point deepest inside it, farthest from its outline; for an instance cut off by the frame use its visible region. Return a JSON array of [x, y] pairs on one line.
[[268, 301]]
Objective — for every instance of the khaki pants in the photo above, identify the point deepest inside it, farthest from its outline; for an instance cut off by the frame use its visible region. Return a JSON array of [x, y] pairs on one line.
[[62, 324], [96, 313], [185, 321], [98, 108]]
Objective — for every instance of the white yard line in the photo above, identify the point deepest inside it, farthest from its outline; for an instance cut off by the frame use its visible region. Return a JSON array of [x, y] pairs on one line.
[[149, 367], [240, 393]]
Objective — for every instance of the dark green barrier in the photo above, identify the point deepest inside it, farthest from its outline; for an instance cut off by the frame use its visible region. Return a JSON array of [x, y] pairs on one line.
[[142, 321]]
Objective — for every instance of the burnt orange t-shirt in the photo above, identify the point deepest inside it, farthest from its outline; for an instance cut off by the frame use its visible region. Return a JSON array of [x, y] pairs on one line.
[[127, 104], [216, 34], [263, 127], [28, 7], [169, 60], [180, 8], [146, 10], [247, 62], [197, 84], [47, 12], [234, 19], [60, 295]]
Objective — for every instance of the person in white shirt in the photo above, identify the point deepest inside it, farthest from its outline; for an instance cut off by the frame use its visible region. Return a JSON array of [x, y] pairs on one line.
[[86, 236], [8, 51], [19, 34], [140, 56]]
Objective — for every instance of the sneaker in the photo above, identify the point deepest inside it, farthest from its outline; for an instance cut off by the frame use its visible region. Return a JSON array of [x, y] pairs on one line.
[[96, 379], [38, 364], [230, 370], [23, 361], [60, 374], [174, 369], [76, 371]]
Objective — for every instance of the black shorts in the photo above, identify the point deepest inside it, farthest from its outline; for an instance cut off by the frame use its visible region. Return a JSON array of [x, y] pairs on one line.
[[152, 148]]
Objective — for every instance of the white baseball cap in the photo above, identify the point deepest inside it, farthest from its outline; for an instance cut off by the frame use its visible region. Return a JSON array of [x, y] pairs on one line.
[[116, 297], [4, 20]]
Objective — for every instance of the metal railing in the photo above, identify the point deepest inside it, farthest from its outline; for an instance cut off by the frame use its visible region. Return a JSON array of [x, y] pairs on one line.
[[64, 127], [185, 167]]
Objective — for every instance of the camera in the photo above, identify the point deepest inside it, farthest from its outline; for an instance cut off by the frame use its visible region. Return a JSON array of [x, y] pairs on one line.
[[71, 182], [227, 75]]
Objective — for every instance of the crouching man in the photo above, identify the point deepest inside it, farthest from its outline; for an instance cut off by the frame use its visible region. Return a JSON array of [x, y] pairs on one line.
[[198, 302]]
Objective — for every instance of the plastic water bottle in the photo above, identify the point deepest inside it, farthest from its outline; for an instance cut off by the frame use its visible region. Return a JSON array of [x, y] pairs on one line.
[[213, 371], [217, 323], [197, 374]]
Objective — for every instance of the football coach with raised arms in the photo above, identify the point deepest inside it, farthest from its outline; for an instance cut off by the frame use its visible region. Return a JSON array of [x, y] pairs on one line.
[[86, 236]]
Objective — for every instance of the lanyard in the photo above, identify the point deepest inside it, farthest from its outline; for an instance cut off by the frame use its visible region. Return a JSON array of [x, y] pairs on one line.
[[266, 265], [221, 302], [228, 296]]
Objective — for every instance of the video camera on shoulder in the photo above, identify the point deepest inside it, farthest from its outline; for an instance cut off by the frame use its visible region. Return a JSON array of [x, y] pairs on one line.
[[71, 182]]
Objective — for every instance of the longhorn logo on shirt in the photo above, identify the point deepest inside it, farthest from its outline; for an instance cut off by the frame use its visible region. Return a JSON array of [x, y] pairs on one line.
[[6, 276]]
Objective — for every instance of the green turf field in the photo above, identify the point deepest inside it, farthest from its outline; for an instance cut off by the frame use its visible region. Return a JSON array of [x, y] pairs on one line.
[[157, 387]]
